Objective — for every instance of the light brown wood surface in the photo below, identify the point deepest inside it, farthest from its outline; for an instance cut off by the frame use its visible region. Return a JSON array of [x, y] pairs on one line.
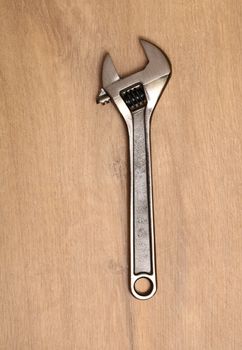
[[64, 178]]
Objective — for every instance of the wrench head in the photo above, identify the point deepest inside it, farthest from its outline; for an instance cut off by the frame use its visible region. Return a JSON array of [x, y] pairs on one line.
[[153, 78]]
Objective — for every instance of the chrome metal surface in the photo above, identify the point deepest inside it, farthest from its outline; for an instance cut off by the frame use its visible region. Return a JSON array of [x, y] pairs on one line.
[[103, 97], [137, 108]]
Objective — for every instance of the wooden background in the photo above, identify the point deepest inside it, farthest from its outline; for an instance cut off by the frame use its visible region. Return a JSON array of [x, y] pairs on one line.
[[63, 177]]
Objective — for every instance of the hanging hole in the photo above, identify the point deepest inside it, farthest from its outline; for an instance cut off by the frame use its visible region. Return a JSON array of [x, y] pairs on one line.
[[143, 286]]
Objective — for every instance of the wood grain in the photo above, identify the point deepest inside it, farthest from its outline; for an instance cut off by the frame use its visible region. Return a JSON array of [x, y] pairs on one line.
[[64, 178]]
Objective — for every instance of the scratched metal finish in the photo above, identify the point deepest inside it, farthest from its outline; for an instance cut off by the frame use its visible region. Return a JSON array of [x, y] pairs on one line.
[[141, 196]]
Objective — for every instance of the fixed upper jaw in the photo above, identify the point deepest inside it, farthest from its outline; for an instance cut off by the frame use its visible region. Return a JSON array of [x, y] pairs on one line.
[[158, 63]]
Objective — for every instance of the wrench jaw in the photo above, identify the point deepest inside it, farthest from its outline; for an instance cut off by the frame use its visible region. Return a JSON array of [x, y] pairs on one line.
[[158, 63], [153, 77], [109, 72]]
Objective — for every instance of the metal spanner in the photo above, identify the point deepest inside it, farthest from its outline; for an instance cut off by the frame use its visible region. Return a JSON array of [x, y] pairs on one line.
[[135, 97]]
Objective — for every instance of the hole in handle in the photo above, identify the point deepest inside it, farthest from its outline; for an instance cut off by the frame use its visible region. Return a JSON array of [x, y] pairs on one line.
[[143, 286]]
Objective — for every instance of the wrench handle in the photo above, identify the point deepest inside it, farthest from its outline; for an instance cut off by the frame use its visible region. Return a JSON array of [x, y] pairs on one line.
[[142, 240]]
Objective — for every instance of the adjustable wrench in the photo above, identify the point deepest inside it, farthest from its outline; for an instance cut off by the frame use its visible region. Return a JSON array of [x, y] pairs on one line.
[[135, 97]]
